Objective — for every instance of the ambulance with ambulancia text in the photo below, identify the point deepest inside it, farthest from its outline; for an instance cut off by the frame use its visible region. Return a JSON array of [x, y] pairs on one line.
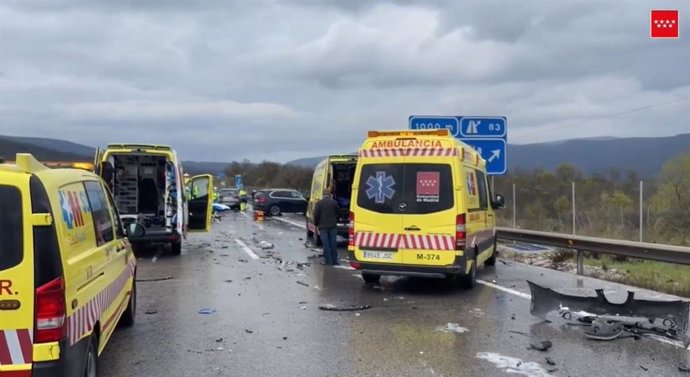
[[422, 206], [67, 270]]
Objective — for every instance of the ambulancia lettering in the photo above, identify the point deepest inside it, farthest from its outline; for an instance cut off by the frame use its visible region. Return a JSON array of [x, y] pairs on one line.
[[6, 288], [407, 144]]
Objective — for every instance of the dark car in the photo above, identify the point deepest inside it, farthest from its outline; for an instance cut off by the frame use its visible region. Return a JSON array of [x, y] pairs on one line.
[[276, 201], [230, 197]]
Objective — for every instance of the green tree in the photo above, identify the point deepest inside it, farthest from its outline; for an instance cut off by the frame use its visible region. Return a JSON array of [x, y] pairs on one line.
[[672, 199]]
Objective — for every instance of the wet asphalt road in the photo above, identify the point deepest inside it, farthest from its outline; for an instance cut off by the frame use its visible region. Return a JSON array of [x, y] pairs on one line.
[[267, 324]]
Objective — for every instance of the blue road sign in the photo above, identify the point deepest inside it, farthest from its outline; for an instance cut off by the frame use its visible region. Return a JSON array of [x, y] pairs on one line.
[[493, 151], [238, 181], [435, 122], [482, 127]]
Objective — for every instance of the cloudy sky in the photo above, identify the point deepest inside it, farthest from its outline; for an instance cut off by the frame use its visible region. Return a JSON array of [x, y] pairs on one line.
[[282, 79]]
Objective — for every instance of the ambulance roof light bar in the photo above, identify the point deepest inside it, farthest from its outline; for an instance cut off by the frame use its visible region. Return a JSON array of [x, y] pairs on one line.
[[408, 133]]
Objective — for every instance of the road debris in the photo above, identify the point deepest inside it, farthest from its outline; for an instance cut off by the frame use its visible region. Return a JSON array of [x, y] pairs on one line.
[[335, 308], [513, 365], [242, 260], [228, 281], [605, 320], [302, 283], [248, 331], [452, 328], [266, 245], [207, 311], [152, 311], [550, 361], [684, 368], [219, 340], [644, 369], [542, 346]]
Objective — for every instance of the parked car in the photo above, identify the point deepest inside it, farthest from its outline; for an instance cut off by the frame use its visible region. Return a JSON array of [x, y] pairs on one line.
[[276, 201], [230, 197]]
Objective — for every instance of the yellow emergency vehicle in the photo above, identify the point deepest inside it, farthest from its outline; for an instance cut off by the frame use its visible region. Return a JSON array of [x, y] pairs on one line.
[[67, 271], [421, 207], [335, 173], [148, 186]]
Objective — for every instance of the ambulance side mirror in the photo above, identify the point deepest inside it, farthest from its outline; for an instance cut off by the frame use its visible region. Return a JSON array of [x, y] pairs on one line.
[[135, 230], [498, 202]]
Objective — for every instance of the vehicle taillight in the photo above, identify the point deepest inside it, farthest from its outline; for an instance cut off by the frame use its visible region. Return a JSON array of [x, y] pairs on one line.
[[460, 232], [356, 265], [351, 230], [51, 325]]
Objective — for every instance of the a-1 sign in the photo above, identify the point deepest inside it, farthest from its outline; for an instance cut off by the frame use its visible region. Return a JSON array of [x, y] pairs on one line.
[[488, 135]]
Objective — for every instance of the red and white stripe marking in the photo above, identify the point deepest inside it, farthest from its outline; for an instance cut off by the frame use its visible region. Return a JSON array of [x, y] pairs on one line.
[[83, 319], [405, 152], [404, 241], [16, 347]]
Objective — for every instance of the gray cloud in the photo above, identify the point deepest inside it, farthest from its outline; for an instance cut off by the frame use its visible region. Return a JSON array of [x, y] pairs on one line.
[[282, 79]]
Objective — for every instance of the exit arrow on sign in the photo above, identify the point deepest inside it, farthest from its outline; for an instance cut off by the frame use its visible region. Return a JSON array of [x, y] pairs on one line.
[[496, 153]]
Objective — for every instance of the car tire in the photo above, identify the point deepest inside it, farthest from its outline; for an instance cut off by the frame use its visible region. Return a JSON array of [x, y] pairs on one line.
[[129, 315], [176, 247], [468, 281], [91, 361], [274, 210], [371, 278]]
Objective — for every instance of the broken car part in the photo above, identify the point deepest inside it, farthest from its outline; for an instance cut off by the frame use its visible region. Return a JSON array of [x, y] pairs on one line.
[[608, 320]]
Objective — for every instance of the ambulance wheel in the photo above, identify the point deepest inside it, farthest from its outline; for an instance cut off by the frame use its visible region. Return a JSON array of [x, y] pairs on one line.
[[91, 365], [129, 314], [176, 247], [371, 278], [468, 281], [274, 210]]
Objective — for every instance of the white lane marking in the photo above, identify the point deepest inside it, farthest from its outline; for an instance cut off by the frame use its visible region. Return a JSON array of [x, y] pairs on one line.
[[504, 289], [290, 222], [158, 254], [246, 249], [245, 214], [343, 267]]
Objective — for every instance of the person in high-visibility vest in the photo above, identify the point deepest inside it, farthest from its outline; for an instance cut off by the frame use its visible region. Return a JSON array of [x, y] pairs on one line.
[[243, 199], [215, 194]]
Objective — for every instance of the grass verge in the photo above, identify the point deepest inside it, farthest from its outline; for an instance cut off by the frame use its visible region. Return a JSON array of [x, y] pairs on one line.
[[658, 276]]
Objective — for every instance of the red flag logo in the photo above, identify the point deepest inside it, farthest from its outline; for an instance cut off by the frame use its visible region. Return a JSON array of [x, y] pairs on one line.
[[428, 183], [664, 24]]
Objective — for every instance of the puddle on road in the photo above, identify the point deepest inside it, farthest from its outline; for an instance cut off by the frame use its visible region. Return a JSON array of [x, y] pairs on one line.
[[514, 365]]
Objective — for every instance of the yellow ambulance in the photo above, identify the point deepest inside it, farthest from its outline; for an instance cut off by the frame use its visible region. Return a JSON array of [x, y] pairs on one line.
[[149, 187], [67, 271], [421, 207], [334, 173]]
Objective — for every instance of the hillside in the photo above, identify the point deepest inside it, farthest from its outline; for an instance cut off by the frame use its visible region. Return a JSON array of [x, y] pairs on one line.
[[645, 155], [9, 147]]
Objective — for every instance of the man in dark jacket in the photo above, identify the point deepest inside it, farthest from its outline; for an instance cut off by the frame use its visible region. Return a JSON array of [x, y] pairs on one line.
[[326, 213]]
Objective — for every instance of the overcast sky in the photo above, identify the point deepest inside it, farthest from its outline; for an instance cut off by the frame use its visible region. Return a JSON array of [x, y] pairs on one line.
[[225, 80]]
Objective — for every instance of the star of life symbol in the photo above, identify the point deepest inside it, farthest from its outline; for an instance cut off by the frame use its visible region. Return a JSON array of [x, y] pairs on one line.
[[380, 187]]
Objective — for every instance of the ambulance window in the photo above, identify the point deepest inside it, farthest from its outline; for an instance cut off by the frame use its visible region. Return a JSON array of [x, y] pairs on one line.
[[481, 185], [428, 188], [11, 224], [381, 187], [103, 223]]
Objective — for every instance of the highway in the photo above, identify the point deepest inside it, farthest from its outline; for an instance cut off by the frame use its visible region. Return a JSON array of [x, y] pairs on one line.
[[264, 318]]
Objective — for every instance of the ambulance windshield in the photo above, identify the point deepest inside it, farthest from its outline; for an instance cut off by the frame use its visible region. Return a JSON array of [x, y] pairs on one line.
[[412, 189], [11, 241]]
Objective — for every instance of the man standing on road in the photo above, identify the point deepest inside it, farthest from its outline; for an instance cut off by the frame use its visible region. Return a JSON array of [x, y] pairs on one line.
[[326, 213]]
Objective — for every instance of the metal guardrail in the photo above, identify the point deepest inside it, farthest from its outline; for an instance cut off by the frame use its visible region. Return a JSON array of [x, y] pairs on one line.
[[580, 244]]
